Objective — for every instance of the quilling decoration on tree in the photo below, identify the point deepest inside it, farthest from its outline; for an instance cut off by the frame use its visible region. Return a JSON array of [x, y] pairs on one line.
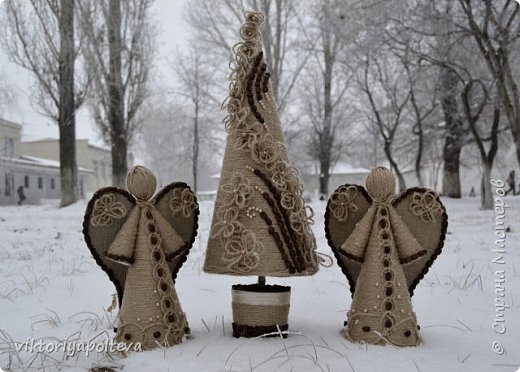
[[261, 225], [141, 243], [384, 245]]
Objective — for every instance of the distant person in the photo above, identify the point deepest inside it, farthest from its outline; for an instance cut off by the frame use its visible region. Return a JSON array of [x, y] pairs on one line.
[[511, 181], [472, 192], [518, 183], [21, 195]]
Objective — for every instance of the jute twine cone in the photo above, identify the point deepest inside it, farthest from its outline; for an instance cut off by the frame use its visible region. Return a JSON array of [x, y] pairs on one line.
[[141, 244], [384, 245], [260, 224]]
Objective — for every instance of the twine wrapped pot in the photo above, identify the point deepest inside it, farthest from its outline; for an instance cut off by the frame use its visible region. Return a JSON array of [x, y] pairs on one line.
[[259, 310], [384, 245], [261, 225], [141, 244]]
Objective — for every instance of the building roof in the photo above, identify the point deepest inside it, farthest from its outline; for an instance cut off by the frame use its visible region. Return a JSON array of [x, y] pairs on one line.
[[342, 168], [49, 139], [8, 123], [47, 163], [99, 148]]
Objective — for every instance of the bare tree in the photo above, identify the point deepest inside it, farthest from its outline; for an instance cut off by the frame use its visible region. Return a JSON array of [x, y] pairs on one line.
[[195, 89], [429, 32], [168, 138], [387, 99], [421, 109], [7, 93], [474, 105], [324, 91], [119, 52], [38, 35], [495, 27], [166, 145]]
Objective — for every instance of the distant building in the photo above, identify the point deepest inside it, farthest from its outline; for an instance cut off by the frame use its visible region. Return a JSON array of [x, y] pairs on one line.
[[38, 175], [94, 158], [340, 174]]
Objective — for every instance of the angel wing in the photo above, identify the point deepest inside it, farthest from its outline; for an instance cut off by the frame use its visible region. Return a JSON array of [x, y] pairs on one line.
[[110, 224], [345, 208], [425, 217], [106, 213], [178, 205]]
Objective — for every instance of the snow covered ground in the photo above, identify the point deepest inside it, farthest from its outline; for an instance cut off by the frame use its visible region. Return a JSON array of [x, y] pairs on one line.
[[52, 290]]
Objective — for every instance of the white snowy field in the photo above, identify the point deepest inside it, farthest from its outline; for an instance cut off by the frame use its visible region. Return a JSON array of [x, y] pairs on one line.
[[52, 290]]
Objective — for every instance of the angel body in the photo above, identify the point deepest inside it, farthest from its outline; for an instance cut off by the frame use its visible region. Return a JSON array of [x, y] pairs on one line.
[[142, 254], [378, 242]]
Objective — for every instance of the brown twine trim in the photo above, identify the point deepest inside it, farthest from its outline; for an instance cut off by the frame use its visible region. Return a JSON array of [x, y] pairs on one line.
[[86, 220], [444, 228], [351, 256], [284, 230], [119, 258], [250, 81], [242, 330], [178, 252], [274, 234], [412, 257], [292, 240], [268, 288], [258, 83], [265, 88]]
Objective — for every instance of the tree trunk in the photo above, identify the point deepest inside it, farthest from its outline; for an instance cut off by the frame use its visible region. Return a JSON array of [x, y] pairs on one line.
[[451, 177], [486, 198], [66, 119], [418, 159], [324, 178], [393, 166], [498, 59], [326, 140], [116, 111], [195, 161], [453, 140]]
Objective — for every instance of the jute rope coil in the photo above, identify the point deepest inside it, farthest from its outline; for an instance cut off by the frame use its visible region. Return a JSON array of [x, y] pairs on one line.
[[257, 315]]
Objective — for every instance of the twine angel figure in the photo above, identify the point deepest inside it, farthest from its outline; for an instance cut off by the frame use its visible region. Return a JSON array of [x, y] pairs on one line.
[[141, 243], [384, 245]]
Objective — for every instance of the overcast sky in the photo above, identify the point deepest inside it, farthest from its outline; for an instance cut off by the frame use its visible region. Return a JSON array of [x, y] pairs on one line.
[[167, 13]]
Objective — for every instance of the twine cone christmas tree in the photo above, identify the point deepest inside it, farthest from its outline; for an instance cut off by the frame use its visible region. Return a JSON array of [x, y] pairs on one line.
[[384, 245], [141, 243], [261, 225]]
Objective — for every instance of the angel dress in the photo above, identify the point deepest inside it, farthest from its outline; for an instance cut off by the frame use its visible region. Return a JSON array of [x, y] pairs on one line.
[[384, 245], [141, 244]]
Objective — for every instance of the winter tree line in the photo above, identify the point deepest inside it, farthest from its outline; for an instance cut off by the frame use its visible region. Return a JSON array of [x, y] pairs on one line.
[[424, 85]]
